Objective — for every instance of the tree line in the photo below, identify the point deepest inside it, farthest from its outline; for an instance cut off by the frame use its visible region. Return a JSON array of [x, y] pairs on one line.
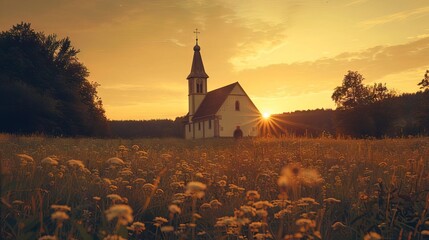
[[362, 111], [160, 128], [44, 87]]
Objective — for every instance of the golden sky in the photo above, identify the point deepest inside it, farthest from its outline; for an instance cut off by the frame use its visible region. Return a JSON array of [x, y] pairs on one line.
[[287, 54]]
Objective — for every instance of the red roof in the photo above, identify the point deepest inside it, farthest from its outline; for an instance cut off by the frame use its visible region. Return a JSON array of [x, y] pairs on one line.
[[213, 101]]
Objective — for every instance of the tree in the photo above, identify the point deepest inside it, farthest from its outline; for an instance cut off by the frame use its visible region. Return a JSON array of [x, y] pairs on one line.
[[424, 111], [44, 86], [378, 92], [352, 92], [424, 84]]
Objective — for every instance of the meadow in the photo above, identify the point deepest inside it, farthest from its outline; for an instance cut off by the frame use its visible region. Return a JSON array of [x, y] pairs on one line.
[[57, 188]]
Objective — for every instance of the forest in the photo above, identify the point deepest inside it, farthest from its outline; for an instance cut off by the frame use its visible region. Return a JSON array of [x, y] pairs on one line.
[[363, 111], [401, 116], [44, 87]]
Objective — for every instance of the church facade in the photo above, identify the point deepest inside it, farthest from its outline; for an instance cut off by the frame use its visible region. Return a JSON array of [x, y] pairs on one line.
[[224, 112]]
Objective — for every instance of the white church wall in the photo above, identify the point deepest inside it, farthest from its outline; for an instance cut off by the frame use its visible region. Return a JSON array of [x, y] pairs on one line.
[[199, 129], [203, 130], [188, 131], [247, 117], [237, 91], [194, 102], [208, 129]]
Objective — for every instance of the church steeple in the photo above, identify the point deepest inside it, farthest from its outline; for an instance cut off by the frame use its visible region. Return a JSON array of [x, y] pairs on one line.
[[197, 80], [197, 69]]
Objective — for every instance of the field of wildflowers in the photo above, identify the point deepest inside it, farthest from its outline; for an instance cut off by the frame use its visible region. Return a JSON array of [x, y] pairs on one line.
[[54, 188]]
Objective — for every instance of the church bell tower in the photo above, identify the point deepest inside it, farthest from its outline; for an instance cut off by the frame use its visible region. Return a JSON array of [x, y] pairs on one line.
[[197, 80]]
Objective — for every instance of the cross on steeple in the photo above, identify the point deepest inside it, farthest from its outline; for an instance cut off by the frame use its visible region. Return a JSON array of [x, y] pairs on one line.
[[196, 35]]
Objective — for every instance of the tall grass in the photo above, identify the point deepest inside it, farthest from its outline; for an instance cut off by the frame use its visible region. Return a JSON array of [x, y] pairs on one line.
[[55, 188]]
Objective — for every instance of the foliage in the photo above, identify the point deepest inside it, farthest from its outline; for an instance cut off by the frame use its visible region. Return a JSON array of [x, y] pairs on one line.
[[309, 123], [159, 128], [399, 116], [43, 86], [353, 92], [379, 92], [216, 189], [424, 84]]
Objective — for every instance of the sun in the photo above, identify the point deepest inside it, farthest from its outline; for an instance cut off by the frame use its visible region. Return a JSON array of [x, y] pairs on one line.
[[266, 115]]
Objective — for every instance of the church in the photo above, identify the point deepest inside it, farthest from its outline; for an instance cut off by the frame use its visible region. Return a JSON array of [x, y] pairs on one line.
[[224, 112]]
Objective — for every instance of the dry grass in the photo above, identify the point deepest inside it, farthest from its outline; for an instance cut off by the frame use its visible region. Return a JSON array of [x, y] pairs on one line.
[[214, 189]]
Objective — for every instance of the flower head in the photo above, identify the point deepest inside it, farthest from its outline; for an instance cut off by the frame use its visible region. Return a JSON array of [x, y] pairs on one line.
[[195, 189], [159, 221], [122, 212], [115, 161], [252, 195], [294, 175], [372, 236], [167, 228], [63, 208], [59, 216], [49, 161], [76, 164], [173, 208], [137, 227]]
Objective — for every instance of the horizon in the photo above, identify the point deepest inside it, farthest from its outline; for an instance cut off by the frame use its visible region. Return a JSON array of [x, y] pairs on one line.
[[141, 54]]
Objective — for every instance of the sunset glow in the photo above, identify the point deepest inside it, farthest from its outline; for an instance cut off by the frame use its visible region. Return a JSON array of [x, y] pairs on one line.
[[288, 55], [266, 115]]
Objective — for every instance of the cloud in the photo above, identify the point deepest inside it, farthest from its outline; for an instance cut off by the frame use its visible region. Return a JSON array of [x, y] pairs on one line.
[[260, 42], [140, 51], [123, 93], [326, 73], [420, 36], [356, 2], [399, 16], [175, 42]]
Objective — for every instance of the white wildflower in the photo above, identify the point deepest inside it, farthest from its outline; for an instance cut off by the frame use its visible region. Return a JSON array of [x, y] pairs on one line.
[[122, 212], [372, 236], [60, 216], [115, 161], [173, 208]]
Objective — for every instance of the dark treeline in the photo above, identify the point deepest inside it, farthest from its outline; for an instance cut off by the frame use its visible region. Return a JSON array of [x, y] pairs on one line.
[[147, 128], [405, 115], [311, 123], [44, 87]]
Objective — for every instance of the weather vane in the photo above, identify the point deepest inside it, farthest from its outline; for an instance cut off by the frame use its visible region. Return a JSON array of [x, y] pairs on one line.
[[196, 34]]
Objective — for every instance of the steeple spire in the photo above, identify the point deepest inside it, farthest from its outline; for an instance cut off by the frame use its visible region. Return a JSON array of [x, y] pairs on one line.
[[197, 69], [196, 36]]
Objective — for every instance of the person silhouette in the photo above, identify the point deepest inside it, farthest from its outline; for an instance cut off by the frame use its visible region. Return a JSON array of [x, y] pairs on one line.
[[238, 133]]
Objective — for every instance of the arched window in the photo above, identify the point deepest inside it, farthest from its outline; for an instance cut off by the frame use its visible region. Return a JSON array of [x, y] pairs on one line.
[[237, 106], [198, 87]]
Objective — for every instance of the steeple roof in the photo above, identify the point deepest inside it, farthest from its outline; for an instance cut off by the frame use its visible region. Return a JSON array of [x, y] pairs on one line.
[[197, 69]]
